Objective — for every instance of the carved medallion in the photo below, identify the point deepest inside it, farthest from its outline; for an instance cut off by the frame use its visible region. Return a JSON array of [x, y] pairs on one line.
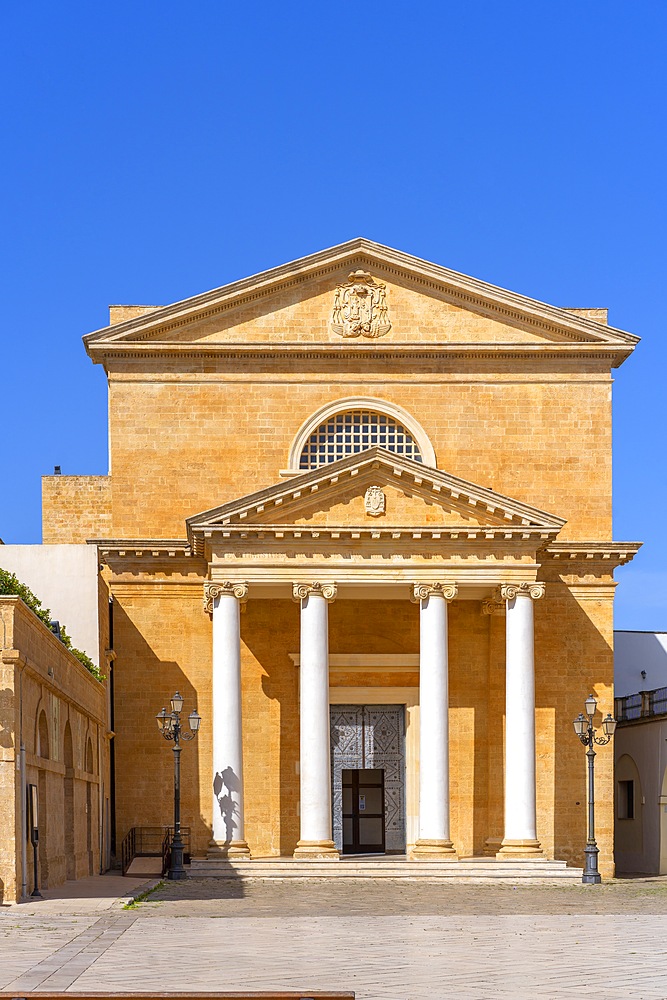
[[374, 501], [360, 307]]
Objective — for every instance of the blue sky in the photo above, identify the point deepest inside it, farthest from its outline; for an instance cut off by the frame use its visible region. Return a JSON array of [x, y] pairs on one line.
[[156, 150]]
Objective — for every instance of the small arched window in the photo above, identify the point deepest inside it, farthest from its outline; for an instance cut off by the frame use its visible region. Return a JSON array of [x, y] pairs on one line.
[[43, 736], [353, 431]]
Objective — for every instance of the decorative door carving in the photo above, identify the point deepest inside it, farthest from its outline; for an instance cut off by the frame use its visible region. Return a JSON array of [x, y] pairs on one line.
[[370, 736]]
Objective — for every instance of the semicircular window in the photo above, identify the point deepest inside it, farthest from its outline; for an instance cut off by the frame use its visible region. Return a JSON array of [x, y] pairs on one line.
[[353, 431]]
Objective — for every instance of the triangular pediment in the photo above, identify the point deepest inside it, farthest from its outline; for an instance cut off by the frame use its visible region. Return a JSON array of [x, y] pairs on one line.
[[347, 493], [411, 303]]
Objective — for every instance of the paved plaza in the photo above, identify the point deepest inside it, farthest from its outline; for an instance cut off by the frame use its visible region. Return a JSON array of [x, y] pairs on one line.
[[400, 940]]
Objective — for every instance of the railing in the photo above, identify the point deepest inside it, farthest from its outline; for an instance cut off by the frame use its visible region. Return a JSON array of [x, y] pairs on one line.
[[643, 705], [152, 842], [166, 846]]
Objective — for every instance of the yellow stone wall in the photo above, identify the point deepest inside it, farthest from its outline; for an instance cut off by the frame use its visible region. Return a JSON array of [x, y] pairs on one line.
[[182, 447], [75, 509]]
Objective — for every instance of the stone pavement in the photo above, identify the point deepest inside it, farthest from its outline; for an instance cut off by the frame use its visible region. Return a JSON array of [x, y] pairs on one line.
[[397, 940]]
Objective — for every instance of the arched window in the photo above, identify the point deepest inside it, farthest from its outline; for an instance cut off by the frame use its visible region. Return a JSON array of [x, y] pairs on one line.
[[350, 432], [42, 736]]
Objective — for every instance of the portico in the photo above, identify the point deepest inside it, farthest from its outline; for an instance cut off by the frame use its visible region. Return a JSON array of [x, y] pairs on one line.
[[493, 564]]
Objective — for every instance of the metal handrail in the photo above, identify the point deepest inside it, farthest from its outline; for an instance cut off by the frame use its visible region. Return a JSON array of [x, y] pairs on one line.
[[641, 705], [151, 842]]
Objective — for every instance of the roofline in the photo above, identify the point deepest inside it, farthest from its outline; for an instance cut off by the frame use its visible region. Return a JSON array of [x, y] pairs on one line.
[[182, 312]]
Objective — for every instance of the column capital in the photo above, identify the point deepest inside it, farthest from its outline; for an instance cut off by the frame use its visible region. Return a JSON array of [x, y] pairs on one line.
[[213, 590], [508, 591], [493, 606], [300, 591], [422, 591]]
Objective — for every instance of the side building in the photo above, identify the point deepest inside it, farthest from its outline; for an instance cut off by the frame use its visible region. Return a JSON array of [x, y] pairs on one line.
[[54, 759], [641, 753]]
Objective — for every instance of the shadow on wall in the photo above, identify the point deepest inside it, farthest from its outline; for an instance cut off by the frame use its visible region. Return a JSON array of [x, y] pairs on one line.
[[270, 645], [143, 683], [7, 718], [225, 783], [580, 663]]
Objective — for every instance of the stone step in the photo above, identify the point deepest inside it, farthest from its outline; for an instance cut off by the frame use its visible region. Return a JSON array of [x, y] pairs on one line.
[[145, 865], [479, 869]]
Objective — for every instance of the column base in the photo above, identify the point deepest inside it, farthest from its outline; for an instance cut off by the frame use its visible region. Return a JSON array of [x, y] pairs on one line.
[[316, 850], [234, 849], [520, 849], [492, 846], [432, 850]]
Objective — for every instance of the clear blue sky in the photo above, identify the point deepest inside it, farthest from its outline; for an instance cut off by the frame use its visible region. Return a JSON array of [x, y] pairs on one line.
[[156, 150]]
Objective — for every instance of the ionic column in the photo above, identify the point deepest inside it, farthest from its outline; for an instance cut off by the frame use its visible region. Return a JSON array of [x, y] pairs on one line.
[[520, 838], [315, 767], [434, 839], [223, 602]]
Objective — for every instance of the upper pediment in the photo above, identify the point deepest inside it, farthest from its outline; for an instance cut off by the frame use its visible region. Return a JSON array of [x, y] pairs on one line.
[[375, 490], [358, 295]]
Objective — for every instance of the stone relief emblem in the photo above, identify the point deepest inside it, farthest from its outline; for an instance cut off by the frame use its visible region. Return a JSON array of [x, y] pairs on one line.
[[374, 501], [360, 307]]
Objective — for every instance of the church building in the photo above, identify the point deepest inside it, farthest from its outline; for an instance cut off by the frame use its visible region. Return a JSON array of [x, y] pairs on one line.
[[358, 514]]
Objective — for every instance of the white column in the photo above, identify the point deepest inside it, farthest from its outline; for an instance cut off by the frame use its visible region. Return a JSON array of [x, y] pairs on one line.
[[223, 601], [520, 839], [315, 839], [434, 835]]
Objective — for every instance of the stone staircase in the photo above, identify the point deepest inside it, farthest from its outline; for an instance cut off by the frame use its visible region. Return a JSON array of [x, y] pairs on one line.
[[474, 870]]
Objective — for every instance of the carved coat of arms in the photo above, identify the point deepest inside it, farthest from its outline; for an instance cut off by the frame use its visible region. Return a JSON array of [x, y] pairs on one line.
[[374, 501], [360, 307]]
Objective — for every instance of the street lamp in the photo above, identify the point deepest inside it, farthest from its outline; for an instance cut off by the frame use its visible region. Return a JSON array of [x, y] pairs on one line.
[[583, 727], [169, 724]]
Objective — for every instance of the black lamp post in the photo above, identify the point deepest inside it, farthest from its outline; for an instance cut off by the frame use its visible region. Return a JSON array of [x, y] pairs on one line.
[[169, 724], [583, 727]]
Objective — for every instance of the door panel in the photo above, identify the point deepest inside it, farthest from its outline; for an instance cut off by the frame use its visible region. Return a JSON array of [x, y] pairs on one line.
[[363, 824]]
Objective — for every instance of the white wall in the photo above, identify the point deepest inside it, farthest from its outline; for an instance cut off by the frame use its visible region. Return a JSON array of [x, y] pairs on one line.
[[64, 578], [646, 743], [634, 652]]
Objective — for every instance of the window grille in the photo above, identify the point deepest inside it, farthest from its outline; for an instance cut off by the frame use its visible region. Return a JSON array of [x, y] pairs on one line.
[[354, 431]]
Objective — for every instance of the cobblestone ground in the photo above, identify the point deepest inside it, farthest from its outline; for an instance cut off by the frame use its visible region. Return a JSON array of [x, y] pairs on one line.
[[384, 939], [399, 897]]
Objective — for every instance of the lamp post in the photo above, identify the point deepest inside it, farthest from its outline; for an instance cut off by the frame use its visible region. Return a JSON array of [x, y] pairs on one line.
[[169, 724], [583, 727]]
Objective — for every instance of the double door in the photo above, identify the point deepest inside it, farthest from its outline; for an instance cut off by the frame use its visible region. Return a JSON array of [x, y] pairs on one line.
[[368, 783]]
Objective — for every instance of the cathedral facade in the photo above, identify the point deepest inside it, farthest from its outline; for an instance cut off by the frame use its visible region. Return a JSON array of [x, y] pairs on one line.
[[359, 515]]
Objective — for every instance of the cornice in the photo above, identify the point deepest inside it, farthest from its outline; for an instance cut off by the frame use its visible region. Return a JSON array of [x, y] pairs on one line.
[[343, 352], [142, 548], [614, 553], [458, 288]]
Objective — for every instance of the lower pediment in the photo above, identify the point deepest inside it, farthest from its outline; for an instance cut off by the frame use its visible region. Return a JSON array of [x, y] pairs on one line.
[[374, 491]]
